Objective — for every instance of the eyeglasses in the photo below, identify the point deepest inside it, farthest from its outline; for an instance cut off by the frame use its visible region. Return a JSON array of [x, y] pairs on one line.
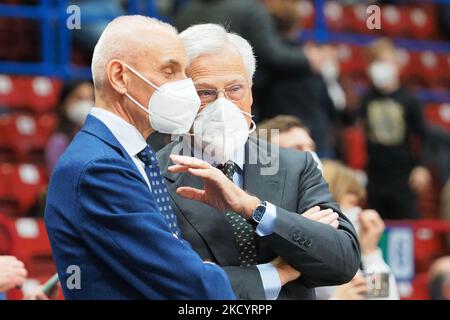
[[234, 92]]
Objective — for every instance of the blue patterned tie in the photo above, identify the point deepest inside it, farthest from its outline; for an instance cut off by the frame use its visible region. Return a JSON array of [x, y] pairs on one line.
[[158, 186]]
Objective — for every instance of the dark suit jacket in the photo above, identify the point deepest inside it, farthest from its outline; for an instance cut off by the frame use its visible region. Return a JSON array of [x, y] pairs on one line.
[[325, 256], [101, 217]]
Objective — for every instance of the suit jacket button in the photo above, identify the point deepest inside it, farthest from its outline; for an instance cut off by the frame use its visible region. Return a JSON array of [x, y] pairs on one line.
[[296, 236]]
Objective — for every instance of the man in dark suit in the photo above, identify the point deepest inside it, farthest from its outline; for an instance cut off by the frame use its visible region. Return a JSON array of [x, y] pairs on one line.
[[286, 213], [111, 226]]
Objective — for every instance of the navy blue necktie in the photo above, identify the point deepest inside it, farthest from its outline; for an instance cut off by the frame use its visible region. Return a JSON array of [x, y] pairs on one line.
[[158, 186]]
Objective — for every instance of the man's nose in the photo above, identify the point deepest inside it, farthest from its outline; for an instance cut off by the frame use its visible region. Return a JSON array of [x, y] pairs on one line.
[[221, 94]]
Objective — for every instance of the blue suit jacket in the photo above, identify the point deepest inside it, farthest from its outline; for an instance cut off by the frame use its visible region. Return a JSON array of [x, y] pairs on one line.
[[101, 217]]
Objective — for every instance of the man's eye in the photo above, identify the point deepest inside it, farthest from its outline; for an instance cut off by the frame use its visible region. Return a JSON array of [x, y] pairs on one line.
[[168, 71], [235, 88], [205, 93]]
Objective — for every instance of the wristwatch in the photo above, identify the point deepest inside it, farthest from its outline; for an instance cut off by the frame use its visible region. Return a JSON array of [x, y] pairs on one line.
[[258, 214]]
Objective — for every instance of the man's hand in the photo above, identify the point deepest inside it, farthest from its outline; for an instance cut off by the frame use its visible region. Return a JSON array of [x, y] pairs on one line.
[[372, 226], [36, 294], [356, 289], [219, 191], [420, 179], [12, 273], [285, 271], [327, 216]]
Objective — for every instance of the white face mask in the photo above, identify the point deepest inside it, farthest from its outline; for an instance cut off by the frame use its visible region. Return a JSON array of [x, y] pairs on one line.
[[330, 70], [382, 74], [172, 107], [353, 215], [220, 130], [78, 112]]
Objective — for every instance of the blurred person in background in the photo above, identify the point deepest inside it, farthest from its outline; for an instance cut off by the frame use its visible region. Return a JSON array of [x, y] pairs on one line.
[[330, 71], [439, 279], [252, 20], [288, 132], [12, 274], [349, 193], [392, 119], [75, 102], [304, 95]]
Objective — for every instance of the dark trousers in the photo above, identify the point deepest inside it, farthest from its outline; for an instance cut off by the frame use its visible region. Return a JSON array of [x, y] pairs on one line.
[[393, 199]]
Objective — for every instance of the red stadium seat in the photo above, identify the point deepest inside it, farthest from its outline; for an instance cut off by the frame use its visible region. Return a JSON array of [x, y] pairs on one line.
[[20, 187], [334, 15], [352, 60], [438, 114], [43, 93], [412, 73], [27, 240], [419, 288], [37, 94], [393, 20], [421, 21], [306, 11], [356, 19], [429, 244], [430, 67], [355, 145], [23, 135], [11, 95]]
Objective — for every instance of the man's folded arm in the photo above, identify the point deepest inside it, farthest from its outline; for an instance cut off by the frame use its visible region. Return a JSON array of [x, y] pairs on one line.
[[260, 282], [324, 255], [123, 226]]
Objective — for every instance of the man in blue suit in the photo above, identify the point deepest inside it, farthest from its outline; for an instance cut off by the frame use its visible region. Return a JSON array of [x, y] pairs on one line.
[[112, 229]]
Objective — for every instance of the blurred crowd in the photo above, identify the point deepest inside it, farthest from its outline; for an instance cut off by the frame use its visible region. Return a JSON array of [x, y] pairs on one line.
[[297, 91]]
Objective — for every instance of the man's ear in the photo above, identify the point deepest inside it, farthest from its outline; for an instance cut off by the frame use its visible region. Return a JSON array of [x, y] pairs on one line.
[[117, 76]]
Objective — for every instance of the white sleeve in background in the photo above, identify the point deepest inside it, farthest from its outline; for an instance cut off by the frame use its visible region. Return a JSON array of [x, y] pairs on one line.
[[375, 260]]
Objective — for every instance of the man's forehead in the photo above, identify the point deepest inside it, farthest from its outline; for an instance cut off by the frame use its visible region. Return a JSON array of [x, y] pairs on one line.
[[217, 68]]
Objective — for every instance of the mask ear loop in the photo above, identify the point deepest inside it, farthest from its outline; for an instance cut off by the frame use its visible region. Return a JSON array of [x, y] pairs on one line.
[[141, 77], [253, 124]]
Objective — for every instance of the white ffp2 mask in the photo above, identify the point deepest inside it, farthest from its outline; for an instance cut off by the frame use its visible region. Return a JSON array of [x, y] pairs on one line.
[[220, 130], [172, 107], [78, 112], [382, 74]]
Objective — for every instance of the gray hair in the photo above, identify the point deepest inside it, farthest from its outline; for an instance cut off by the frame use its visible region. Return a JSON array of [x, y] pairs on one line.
[[212, 38], [115, 42]]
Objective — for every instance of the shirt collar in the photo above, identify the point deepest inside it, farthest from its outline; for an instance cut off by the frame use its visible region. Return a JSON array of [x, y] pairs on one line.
[[238, 158], [128, 136]]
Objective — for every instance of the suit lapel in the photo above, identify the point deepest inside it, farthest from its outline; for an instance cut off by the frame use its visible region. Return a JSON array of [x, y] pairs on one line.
[[257, 181]]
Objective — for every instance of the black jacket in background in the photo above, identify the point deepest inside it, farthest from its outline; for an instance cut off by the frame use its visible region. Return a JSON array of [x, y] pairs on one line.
[[391, 121], [251, 20]]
